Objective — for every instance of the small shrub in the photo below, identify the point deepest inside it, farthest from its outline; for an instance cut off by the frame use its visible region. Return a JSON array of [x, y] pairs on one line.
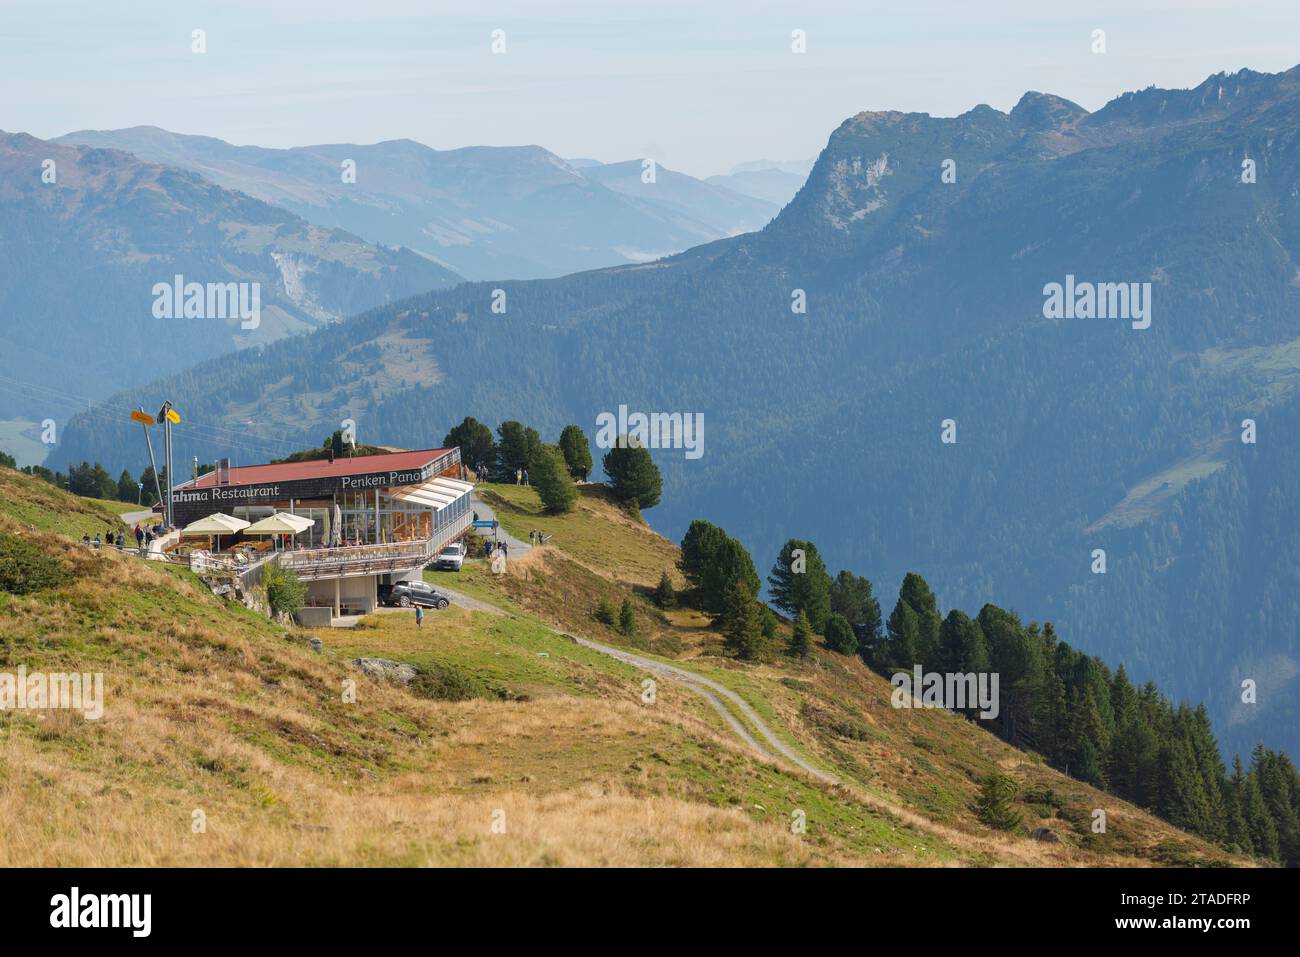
[[665, 596], [24, 568], [285, 591], [605, 613], [994, 807], [447, 682]]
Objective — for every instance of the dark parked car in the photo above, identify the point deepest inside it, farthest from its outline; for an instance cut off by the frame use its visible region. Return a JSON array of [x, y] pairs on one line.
[[409, 594]]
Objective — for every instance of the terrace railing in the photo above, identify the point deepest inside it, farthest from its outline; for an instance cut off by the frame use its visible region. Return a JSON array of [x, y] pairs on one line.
[[353, 560]]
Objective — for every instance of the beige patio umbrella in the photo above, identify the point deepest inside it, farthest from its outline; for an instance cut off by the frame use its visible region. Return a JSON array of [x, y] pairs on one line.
[[218, 524], [281, 523]]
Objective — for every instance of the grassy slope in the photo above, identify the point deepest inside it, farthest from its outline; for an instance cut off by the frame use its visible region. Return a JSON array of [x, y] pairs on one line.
[[833, 710], [211, 708]]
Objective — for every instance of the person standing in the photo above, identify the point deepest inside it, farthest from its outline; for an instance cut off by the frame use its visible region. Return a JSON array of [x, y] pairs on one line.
[[139, 536], [419, 616]]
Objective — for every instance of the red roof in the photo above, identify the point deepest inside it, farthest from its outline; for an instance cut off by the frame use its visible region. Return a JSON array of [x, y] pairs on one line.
[[322, 468]]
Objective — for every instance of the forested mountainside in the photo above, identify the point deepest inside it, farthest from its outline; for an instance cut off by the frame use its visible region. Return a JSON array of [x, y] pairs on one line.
[[86, 234], [925, 303]]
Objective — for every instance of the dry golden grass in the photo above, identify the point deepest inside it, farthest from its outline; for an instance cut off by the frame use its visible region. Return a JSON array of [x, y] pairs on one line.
[[211, 708]]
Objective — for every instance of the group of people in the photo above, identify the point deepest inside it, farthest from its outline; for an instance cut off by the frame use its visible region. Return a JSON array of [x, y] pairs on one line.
[[490, 546], [144, 537], [536, 538], [521, 476]]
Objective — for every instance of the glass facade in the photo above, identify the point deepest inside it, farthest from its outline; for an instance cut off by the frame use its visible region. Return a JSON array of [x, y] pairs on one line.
[[363, 518]]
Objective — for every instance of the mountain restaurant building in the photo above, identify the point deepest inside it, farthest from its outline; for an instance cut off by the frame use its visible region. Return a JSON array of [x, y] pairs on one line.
[[376, 519]]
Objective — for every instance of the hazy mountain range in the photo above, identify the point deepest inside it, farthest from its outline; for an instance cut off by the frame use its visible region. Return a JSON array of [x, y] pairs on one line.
[[87, 233], [776, 182], [924, 248], [517, 212]]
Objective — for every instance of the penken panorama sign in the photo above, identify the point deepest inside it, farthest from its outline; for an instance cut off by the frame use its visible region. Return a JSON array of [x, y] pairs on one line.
[[194, 503]]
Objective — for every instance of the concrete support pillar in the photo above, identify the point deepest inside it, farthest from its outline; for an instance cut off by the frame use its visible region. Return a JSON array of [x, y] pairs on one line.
[[338, 604]]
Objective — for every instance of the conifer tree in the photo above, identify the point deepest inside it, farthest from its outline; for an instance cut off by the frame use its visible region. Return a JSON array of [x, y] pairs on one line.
[[633, 476], [550, 477], [916, 594], [839, 635], [1238, 831], [474, 439], [799, 582], [768, 618], [742, 627], [902, 649], [516, 448], [665, 595], [626, 621], [800, 642], [700, 546], [995, 806], [1263, 832], [576, 450], [730, 565], [127, 490]]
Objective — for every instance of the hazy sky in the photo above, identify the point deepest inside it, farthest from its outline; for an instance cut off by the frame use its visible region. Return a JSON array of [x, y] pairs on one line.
[[699, 85]]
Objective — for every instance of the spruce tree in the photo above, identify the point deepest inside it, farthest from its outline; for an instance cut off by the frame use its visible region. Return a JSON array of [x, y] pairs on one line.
[[742, 627], [577, 451], [799, 582], [127, 490], [1263, 832], [700, 546], [549, 475], [800, 642], [474, 439], [730, 565], [904, 638], [665, 596], [633, 476], [839, 635], [916, 594], [1238, 831], [961, 645], [516, 447], [852, 596], [1182, 796], [626, 620]]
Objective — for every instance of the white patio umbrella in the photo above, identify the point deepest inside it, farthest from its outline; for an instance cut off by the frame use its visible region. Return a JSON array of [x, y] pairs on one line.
[[218, 524], [281, 523]]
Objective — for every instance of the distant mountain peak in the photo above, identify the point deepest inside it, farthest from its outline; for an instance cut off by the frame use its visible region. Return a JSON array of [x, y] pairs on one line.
[[1042, 112]]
